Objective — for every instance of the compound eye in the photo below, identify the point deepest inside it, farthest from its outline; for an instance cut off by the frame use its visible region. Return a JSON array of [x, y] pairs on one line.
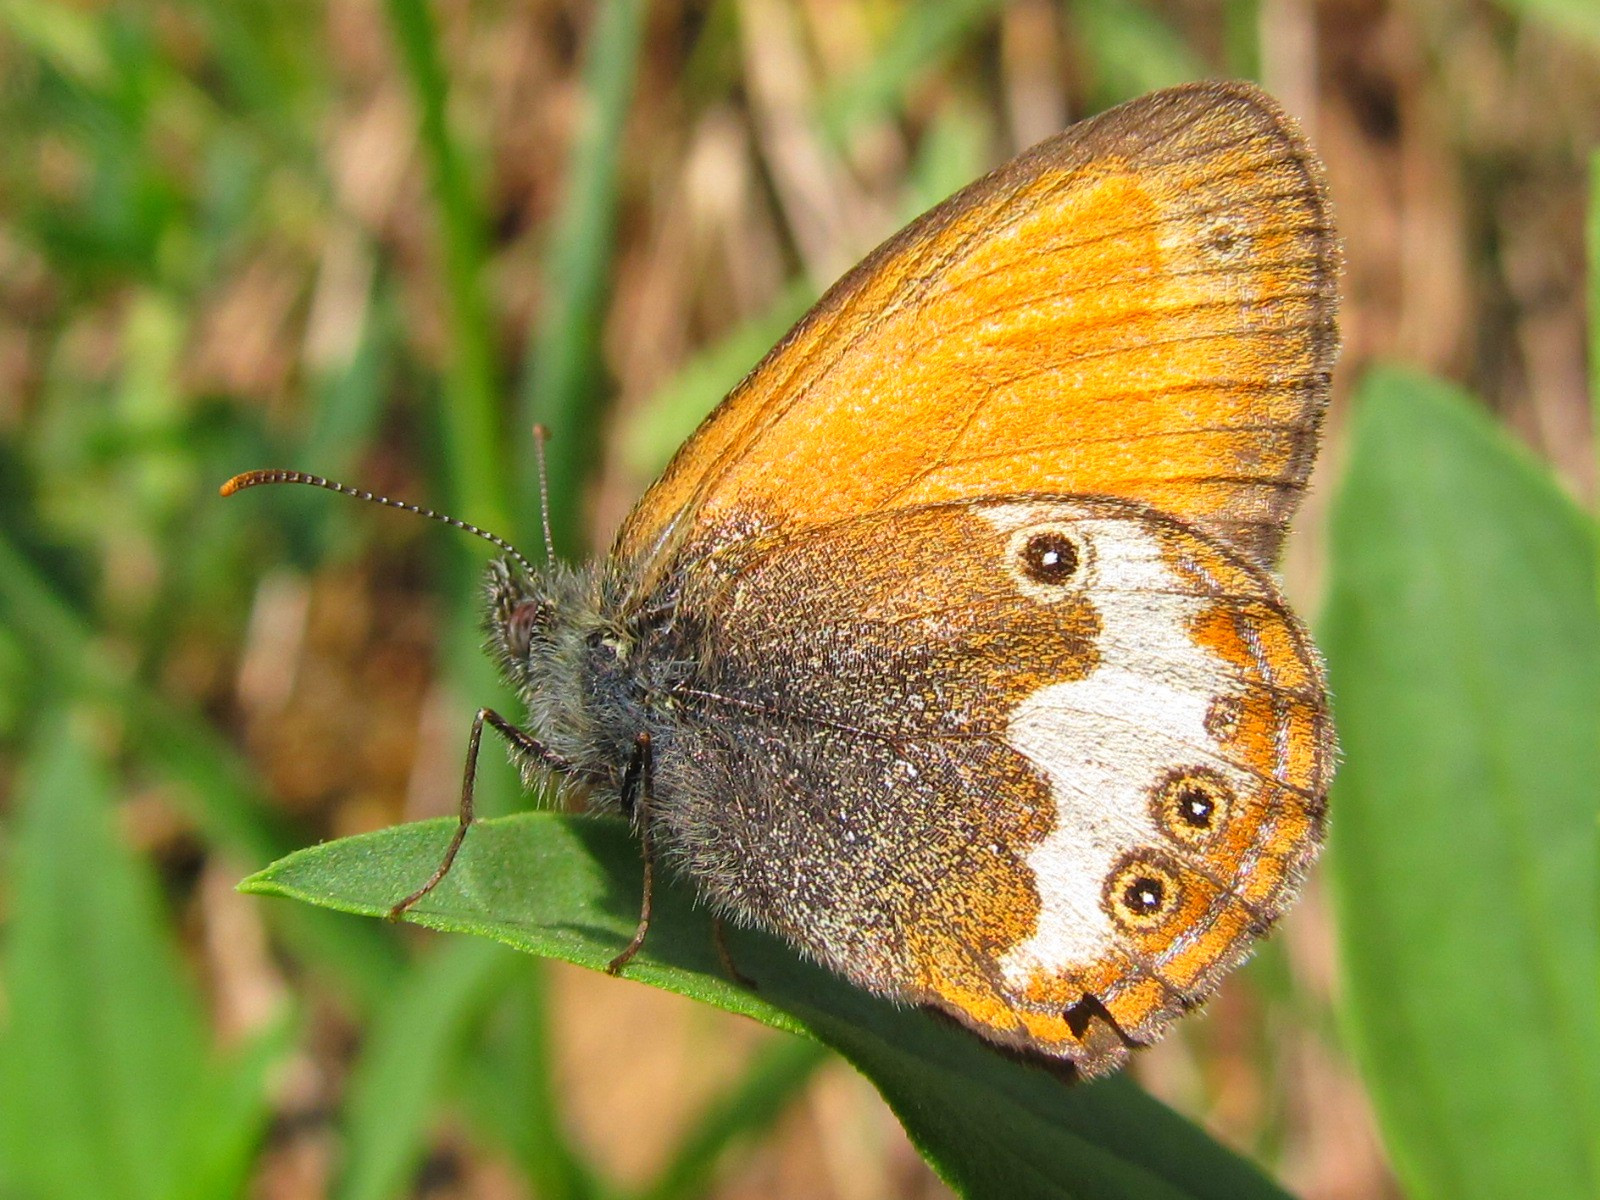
[[525, 619]]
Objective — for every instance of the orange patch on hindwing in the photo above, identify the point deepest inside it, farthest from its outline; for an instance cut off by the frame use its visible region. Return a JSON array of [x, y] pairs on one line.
[[920, 636], [1226, 811]]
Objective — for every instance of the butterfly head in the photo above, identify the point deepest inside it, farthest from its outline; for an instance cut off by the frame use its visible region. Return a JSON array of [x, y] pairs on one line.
[[542, 624], [582, 669], [521, 612], [546, 627]]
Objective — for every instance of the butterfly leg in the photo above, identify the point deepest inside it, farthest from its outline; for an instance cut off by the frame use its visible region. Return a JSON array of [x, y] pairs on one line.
[[518, 740], [719, 939], [636, 807]]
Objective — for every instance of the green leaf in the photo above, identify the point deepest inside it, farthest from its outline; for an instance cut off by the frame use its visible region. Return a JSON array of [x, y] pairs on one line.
[[1465, 648], [568, 888], [104, 1033]]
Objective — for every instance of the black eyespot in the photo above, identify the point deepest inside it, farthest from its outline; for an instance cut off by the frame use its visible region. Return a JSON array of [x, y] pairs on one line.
[[1195, 808], [1223, 239], [1143, 891], [1050, 557], [1143, 895], [1192, 805]]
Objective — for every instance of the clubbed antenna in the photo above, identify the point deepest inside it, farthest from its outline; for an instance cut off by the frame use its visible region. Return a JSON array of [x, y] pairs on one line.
[[541, 435], [253, 478]]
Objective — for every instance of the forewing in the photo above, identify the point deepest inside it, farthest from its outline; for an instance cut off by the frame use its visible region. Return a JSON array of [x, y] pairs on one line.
[[1141, 307]]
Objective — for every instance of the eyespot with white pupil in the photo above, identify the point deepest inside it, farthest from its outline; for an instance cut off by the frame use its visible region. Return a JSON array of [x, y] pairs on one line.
[[1142, 893], [1050, 557], [1196, 809], [1191, 806]]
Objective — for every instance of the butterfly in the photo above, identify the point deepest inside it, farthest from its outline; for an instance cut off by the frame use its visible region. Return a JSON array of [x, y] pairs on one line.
[[949, 647]]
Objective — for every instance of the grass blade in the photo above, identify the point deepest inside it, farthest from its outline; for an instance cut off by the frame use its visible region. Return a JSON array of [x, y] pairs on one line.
[[678, 407], [925, 35], [412, 1049], [951, 155], [1576, 18], [1131, 49], [229, 1116], [511, 1085], [215, 784], [474, 445], [560, 385], [103, 1031], [782, 1068], [1593, 240]]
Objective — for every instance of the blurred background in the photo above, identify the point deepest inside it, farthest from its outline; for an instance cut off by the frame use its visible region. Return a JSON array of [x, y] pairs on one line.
[[378, 241]]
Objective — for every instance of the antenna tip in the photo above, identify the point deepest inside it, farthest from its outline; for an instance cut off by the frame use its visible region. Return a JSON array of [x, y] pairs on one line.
[[250, 478], [541, 432]]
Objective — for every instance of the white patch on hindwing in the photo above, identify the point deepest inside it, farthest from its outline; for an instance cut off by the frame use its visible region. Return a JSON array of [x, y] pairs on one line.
[[1107, 740]]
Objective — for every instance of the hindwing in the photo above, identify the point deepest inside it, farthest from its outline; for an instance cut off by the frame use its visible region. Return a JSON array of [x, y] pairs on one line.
[[1031, 760]]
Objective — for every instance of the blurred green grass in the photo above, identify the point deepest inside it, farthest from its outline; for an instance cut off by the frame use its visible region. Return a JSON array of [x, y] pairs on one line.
[[382, 241]]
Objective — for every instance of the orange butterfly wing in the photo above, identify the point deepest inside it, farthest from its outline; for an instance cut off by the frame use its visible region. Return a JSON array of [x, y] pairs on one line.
[[1141, 307]]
